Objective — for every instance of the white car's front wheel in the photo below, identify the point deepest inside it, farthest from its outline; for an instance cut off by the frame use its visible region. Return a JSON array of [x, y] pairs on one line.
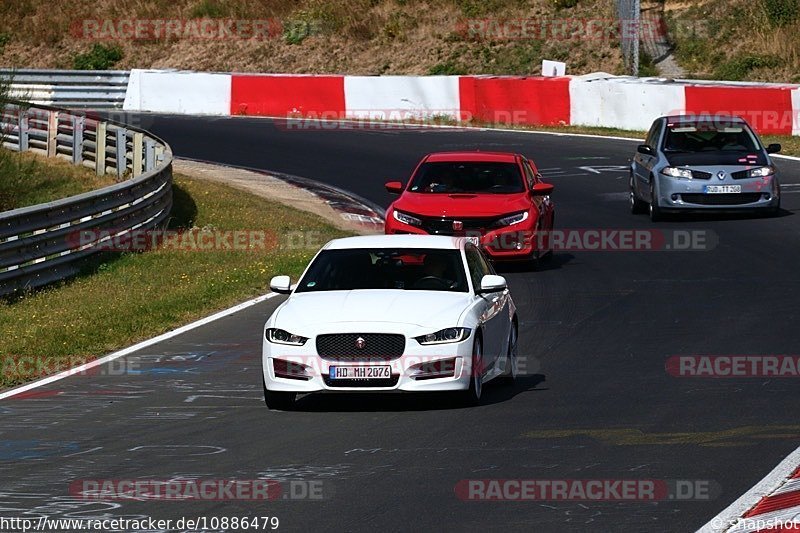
[[282, 401], [512, 366], [472, 396]]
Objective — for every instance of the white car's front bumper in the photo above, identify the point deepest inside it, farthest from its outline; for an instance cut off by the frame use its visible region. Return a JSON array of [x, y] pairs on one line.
[[314, 375]]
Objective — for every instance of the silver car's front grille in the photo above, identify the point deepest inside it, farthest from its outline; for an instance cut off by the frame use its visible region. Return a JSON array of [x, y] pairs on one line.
[[740, 175], [701, 175], [721, 199]]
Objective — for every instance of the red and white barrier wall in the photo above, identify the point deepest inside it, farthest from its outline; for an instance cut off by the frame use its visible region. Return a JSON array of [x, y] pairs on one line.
[[593, 100]]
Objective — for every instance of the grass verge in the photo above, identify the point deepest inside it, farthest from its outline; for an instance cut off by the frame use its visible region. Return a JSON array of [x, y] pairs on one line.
[[28, 179], [134, 296]]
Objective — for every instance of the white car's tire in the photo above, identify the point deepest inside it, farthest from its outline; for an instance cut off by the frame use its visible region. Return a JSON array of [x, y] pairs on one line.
[[472, 396], [279, 400], [509, 376]]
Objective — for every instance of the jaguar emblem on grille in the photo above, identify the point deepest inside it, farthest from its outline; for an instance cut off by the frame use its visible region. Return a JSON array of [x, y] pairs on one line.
[[458, 225], [360, 343]]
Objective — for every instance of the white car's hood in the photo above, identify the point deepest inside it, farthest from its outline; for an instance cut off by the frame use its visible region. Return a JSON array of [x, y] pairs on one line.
[[421, 308]]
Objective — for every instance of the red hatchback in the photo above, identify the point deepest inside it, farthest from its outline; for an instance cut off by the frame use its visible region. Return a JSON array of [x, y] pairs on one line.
[[497, 198]]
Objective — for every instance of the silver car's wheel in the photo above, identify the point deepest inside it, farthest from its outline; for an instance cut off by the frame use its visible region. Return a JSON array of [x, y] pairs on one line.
[[655, 211], [637, 206]]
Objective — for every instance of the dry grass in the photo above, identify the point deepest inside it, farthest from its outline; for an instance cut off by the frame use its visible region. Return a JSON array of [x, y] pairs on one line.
[[29, 179], [738, 39], [353, 36], [135, 296]]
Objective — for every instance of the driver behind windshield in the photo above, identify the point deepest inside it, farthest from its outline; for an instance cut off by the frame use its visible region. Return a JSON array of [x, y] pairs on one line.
[[436, 266]]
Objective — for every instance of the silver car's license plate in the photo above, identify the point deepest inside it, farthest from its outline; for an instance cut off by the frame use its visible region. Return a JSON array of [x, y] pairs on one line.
[[360, 372], [722, 189]]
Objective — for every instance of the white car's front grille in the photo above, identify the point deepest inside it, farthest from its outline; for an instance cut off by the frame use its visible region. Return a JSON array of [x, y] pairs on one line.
[[361, 346]]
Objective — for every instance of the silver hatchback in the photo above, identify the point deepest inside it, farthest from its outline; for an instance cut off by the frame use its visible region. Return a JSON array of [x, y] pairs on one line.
[[703, 163]]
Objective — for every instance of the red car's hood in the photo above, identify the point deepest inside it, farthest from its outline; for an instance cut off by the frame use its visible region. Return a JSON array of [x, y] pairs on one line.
[[461, 205]]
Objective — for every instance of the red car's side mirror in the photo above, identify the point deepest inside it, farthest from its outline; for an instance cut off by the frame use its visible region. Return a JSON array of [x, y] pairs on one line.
[[394, 187], [542, 189]]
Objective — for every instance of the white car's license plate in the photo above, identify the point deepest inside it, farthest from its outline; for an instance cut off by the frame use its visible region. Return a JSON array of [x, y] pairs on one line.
[[722, 189], [360, 372]]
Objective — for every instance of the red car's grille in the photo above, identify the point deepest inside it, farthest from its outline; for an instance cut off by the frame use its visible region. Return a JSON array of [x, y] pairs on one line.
[[448, 226]]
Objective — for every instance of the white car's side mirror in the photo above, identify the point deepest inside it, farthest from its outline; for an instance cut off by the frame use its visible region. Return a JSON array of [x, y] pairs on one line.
[[490, 283], [281, 284]]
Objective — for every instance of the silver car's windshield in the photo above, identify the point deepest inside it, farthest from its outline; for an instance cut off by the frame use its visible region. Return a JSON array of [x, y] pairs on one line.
[[709, 137], [385, 268]]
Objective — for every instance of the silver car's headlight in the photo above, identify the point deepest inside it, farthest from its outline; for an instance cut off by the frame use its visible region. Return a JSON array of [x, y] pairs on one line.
[[760, 172], [444, 336], [280, 336], [510, 220], [406, 219], [675, 172]]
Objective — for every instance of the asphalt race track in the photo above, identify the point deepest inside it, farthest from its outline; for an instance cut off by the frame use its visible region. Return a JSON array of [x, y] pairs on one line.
[[597, 403]]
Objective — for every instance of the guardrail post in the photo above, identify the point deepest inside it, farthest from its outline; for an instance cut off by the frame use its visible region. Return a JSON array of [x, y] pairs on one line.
[[52, 133], [122, 148], [100, 148], [149, 154], [78, 125], [24, 130], [137, 153]]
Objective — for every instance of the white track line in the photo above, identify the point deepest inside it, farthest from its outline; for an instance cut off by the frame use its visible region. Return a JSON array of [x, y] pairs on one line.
[[732, 514], [144, 344], [468, 128]]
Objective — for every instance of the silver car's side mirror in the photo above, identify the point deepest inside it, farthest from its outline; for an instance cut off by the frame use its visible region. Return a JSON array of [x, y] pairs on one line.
[[644, 149]]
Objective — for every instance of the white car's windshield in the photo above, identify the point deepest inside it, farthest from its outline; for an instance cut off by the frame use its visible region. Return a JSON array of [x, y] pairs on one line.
[[386, 268]]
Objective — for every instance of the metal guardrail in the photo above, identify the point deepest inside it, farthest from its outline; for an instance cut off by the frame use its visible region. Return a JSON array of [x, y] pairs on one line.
[[74, 89], [38, 244]]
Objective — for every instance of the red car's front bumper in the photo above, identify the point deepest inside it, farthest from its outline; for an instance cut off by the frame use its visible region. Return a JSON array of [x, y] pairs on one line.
[[512, 243]]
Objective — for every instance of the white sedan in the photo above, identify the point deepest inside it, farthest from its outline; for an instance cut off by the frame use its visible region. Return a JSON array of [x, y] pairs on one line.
[[390, 313]]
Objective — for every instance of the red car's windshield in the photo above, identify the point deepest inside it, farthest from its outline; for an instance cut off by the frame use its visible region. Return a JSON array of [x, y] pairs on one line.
[[452, 177]]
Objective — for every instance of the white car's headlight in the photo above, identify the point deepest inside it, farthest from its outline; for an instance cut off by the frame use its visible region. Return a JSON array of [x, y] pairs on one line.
[[444, 336], [510, 220], [406, 218], [760, 172], [675, 172], [280, 336]]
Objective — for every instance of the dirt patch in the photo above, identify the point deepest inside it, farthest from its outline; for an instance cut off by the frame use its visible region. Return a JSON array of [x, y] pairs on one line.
[[272, 188]]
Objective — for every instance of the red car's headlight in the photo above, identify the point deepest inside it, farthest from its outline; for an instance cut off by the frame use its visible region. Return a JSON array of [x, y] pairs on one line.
[[510, 220], [406, 218]]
